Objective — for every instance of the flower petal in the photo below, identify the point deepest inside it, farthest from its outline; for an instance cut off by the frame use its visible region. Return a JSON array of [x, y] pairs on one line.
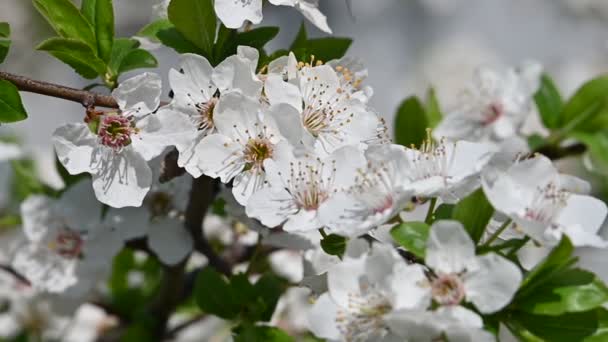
[[74, 144], [237, 74], [272, 206], [219, 157], [247, 183], [169, 241], [139, 95], [449, 248], [36, 214], [278, 91], [322, 318], [234, 13]]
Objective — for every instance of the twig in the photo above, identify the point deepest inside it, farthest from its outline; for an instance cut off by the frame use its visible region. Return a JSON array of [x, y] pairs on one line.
[[557, 152], [86, 98], [178, 328], [14, 273]]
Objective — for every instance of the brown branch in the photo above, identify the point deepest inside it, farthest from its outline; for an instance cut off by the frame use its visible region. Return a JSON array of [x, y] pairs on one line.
[[558, 152], [86, 98]]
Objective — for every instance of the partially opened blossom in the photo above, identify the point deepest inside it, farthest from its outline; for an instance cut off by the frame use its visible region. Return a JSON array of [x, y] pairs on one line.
[[300, 187], [68, 247], [449, 170], [322, 116], [246, 137], [494, 106], [198, 89], [379, 194], [362, 293], [115, 146], [234, 13], [544, 203]]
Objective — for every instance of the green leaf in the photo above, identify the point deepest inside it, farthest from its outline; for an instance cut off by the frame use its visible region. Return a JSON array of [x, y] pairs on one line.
[[410, 123], [587, 110], [195, 20], [11, 108], [563, 328], [549, 102], [100, 15], [412, 236], [597, 150], [443, 212], [172, 38], [75, 54], [474, 212], [559, 260], [137, 59], [601, 334], [214, 295], [333, 244], [573, 290], [151, 30], [25, 181], [433, 109], [67, 21], [268, 289], [257, 37], [301, 38], [252, 333], [5, 31], [324, 49]]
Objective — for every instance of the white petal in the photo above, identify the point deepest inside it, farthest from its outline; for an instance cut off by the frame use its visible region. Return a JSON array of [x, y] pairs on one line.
[[344, 279], [449, 248], [198, 71], [234, 13], [9, 151], [407, 291], [586, 212], [235, 74], [169, 241], [302, 221], [530, 255], [290, 126], [234, 114], [312, 13], [271, 206], [348, 161], [139, 95], [574, 184], [46, 270], [161, 130], [469, 158], [130, 222], [250, 54], [322, 318], [124, 179], [74, 144], [413, 325], [493, 283], [217, 155], [247, 183], [278, 91], [36, 214], [78, 207]]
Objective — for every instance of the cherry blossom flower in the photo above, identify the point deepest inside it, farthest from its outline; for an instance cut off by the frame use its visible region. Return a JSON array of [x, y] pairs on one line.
[[494, 106], [445, 169], [323, 116], [362, 294], [68, 247], [352, 74], [380, 193], [545, 204], [233, 13], [115, 146], [299, 187], [198, 89], [246, 137]]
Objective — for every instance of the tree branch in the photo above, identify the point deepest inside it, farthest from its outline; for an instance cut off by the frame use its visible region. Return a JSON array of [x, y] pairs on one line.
[[559, 152]]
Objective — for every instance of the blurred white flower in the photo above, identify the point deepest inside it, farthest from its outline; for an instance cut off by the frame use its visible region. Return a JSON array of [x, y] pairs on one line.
[[115, 146], [494, 106], [544, 203]]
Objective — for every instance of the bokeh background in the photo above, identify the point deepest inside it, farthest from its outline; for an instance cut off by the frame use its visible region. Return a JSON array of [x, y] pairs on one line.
[[407, 45]]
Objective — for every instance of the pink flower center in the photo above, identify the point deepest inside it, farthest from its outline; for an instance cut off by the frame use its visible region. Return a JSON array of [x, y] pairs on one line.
[[115, 131], [447, 289], [493, 113], [67, 244]]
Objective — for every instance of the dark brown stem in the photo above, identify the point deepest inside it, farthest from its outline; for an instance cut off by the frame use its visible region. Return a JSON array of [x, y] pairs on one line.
[[86, 98], [557, 152]]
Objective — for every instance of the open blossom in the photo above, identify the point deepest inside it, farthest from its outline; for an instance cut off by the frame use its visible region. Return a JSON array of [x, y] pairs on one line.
[[233, 13], [198, 89], [323, 116], [246, 137], [68, 247], [445, 169], [115, 146], [456, 276], [546, 204], [380, 193], [352, 73], [362, 293], [494, 106], [299, 187]]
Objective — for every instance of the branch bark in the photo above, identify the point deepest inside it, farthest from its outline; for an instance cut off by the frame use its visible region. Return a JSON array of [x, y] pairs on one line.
[[86, 98]]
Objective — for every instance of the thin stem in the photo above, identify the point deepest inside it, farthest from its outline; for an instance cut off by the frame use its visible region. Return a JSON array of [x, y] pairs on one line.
[[429, 213], [497, 233], [518, 247], [323, 233], [86, 98]]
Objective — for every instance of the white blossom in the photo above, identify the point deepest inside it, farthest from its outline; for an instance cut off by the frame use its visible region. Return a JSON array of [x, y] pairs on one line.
[[115, 146], [544, 203], [494, 106]]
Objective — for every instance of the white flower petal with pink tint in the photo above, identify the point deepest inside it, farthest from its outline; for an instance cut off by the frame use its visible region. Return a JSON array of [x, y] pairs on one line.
[[139, 95]]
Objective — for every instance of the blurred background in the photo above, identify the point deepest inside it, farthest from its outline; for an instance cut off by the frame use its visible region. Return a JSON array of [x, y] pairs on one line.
[[407, 46]]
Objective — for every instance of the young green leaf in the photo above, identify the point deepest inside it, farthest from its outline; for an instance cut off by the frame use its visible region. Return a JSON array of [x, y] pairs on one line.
[[251, 333], [151, 30], [172, 38], [443, 212], [587, 110], [195, 20], [11, 108], [333, 244], [573, 290], [549, 102], [67, 21], [100, 14], [5, 43], [597, 150], [433, 109], [412, 236], [410, 123], [76, 54], [563, 328], [214, 294], [474, 212]]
